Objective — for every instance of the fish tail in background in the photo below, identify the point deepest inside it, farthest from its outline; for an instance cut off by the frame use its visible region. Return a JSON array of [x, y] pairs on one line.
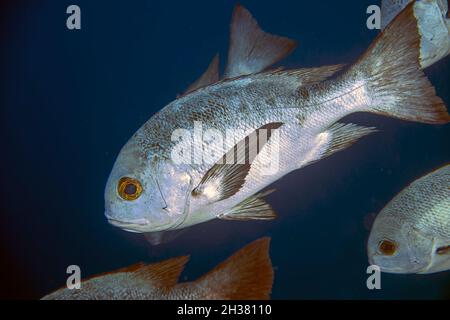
[[391, 70], [389, 9], [246, 275], [251, 49]]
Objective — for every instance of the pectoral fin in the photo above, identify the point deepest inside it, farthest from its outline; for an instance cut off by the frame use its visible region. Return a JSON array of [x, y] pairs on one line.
[[226, 177], [443, 250], [252, 208], [440, 259]]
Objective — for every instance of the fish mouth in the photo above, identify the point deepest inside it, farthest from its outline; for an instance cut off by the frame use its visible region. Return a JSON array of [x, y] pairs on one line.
[[395, 269], [136, 226], [131, 226]]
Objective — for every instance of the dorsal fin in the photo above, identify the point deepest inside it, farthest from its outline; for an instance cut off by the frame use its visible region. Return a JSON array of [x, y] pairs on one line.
[[308, 75], [251, 49], [164, 273], [210, 76]]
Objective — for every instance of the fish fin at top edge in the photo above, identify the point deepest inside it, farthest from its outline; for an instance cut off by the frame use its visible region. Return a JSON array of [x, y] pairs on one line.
[[227, 176], [251, 49], [163, 274], [246, 275], [252, 208], [210, 76]]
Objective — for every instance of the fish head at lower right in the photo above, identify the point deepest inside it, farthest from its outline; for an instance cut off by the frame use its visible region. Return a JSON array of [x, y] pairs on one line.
[[398, 247]]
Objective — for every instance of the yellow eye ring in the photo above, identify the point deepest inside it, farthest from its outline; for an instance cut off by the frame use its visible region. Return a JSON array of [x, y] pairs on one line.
[[129, 189], [387, 247]]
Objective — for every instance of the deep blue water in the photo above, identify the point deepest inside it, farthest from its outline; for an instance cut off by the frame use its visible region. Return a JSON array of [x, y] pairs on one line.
[[71, 99]]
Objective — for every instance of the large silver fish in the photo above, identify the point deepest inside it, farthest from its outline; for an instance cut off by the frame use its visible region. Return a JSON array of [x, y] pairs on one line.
[[247, 274], [412, 233], [281, 120]]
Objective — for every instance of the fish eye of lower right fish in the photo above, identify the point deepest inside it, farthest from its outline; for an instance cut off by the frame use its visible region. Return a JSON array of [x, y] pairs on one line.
[[387, 247]]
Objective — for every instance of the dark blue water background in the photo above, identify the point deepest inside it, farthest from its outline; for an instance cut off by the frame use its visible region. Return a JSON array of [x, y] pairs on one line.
[[70, 100]]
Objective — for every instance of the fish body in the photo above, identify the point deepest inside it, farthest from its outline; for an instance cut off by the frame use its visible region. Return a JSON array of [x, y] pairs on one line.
[[291, 114], [412, 233], [247, 274], [240, 106]]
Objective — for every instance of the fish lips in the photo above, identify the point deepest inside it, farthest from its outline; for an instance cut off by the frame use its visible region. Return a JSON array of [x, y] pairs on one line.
[[137, 226], [390, 265]]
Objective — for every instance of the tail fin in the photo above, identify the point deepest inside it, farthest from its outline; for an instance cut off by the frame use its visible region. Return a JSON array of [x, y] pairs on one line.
[[391, 68], [246, 275]]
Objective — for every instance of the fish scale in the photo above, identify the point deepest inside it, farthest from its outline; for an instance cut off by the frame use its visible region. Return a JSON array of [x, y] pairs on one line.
[[426, 204]]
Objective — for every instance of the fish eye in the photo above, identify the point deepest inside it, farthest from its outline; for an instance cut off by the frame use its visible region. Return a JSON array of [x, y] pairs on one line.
[[387, 247], [129, 189]]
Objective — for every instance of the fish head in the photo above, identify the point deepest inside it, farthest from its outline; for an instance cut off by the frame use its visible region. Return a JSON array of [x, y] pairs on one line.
[[398, 247], [145, 193]]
